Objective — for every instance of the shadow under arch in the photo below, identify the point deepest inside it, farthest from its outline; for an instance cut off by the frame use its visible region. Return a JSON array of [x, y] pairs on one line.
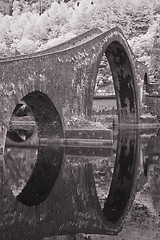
[[124, 79], [45, 114]]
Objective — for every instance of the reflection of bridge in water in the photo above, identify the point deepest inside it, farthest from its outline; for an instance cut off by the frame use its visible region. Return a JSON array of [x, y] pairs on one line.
[[58, 195]]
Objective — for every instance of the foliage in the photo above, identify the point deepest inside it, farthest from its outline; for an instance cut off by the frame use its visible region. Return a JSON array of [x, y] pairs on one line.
[[36, 25]]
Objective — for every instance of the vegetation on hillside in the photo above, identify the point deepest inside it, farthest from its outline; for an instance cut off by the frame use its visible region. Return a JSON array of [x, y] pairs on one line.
[[36, 25]]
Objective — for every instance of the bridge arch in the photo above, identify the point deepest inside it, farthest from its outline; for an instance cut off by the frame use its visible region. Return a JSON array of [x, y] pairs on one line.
[[45, 114], [120, 60]]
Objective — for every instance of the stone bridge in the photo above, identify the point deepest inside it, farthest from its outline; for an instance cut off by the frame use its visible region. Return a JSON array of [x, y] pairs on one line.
[[58, 83]]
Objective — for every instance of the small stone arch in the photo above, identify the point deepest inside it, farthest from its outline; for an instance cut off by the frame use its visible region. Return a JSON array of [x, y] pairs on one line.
[[46, 116], [45, 113]]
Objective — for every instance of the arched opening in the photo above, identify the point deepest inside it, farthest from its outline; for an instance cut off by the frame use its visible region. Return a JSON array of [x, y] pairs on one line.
[[104, 108], [123, 81], [35, 109], [45, 114]]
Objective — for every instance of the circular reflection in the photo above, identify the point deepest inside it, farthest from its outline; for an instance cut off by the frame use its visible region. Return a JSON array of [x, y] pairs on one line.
[[32, 172], [20, 112], [33, 178]]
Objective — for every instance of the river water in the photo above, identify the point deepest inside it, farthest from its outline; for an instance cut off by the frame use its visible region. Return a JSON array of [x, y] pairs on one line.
[[107, 192]]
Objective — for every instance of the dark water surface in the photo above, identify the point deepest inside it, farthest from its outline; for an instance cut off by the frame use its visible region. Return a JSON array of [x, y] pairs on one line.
[[55, 192]]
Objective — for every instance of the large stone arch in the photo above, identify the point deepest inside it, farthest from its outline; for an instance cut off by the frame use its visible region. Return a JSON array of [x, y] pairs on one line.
[[122, 66]]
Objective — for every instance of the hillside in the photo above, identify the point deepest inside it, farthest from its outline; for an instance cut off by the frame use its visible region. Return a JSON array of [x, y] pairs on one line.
[[38, 25]]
